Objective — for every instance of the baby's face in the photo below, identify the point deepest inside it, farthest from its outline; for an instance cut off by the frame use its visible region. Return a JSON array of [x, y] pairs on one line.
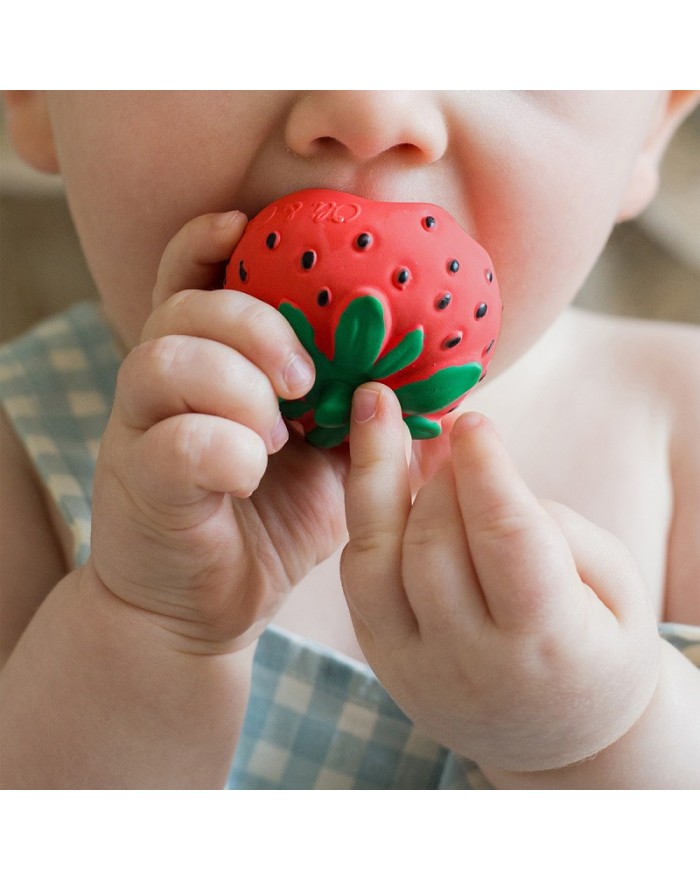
[[538, 178]]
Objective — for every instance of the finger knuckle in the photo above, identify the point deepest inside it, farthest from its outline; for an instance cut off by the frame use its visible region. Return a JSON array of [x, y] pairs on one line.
[[182, 298], [268, 329], [260, 319], [160, 357], [373, 459], [505, 521], [165, 318], [425, 533], [368, 540]]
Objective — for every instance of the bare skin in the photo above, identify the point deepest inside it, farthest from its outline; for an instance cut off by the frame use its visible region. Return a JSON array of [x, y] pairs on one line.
[[197, 479]]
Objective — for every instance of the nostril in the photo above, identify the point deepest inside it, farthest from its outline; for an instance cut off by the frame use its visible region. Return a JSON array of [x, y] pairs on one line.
[[331, 146], [324, 146], [410, 151]]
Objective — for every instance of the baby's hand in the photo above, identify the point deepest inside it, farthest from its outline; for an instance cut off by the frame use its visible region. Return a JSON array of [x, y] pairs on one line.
[[513, 632], [193, 522]]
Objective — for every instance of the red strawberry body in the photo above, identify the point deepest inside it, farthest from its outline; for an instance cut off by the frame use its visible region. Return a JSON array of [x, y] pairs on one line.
[[383, 291]]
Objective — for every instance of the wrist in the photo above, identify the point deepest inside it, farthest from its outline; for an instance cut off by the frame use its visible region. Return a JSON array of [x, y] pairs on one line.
[[170, 633], [127, 636], [661, 750]]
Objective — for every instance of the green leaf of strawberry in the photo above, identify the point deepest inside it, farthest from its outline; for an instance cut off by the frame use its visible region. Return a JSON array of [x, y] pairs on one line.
[[422, 428], [440, 390], [359, 336], [407, 351], [326, 438]]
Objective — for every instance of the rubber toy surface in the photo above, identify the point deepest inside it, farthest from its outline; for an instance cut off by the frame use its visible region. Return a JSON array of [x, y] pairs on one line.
[[376, 291]]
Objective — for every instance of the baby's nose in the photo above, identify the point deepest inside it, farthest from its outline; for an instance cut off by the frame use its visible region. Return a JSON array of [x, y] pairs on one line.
[[366, 124]]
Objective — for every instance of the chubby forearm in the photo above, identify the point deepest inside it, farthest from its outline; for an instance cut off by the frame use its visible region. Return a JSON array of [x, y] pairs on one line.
[[661, 751], [97, 696]]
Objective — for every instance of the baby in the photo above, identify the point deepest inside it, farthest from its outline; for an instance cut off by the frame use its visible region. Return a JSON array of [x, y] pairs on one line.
[[194, 597]]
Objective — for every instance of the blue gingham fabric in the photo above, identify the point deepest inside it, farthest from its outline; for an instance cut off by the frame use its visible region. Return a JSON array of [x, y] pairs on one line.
[[316, 719], [56, 387]]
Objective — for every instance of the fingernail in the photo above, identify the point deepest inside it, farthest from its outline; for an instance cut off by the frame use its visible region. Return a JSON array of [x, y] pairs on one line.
[[280, 435], [299, 375], [470, 420], [224, 220], [364, 404]]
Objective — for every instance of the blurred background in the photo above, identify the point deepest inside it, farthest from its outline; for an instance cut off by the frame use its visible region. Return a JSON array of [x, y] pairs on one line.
[[650, 267]]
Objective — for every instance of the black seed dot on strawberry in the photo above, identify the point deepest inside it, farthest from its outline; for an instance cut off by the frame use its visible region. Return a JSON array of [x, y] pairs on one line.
[[481, 310], [242, 273], [363, 241], [453, 266], [482, 377], [323, 297], [489, 275], [488, 348], [444, 300], [451, 341], [402, 276], [429, 222], [272, 240], [308, 259]]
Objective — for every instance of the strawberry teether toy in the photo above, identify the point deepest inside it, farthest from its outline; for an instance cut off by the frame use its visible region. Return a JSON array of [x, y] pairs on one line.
[[376, 291]]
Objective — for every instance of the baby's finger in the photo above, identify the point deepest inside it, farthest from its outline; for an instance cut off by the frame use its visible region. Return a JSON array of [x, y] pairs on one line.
[[172, 375], [193, 258], [438, 572], [185, 458], [521, 558], [377, 501], [603, 563], [255, 329]]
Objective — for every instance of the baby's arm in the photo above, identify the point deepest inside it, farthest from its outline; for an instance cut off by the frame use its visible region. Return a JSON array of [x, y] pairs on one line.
[[134, 672], [94, 696], [516, 633]]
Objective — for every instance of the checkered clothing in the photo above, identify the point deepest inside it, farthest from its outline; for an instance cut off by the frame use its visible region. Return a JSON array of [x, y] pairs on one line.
[[319, 720], [56, 387], [315, 719]]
